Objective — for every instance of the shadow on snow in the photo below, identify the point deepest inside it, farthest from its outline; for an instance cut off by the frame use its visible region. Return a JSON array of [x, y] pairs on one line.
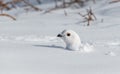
[[50, 46]]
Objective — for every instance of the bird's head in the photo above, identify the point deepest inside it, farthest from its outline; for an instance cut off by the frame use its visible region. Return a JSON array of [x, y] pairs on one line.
[[70, 37]]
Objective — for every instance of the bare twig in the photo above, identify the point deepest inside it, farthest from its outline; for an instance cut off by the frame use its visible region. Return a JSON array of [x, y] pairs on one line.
[[4, 6], [89, 16], [114, 1], [14, 2], [56, 4], [37, 9], [91, 13], [48, 11], [65, 13], [7, 15]]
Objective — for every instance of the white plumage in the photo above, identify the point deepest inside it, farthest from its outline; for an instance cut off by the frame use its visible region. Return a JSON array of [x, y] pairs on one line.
[[72, 41]]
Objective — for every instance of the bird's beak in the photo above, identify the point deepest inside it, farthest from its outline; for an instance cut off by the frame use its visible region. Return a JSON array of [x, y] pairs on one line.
[[59, 35]]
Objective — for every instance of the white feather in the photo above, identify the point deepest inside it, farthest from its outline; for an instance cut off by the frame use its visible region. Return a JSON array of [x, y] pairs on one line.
[[73, 41]]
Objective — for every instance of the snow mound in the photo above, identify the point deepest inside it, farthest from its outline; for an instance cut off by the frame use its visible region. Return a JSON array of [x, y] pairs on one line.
[[87, 48]]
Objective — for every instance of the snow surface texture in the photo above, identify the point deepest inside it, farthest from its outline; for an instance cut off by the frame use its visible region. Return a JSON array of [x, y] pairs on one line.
[[30, 46]]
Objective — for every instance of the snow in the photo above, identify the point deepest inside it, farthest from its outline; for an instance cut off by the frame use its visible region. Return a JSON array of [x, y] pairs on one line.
[[30, 46]]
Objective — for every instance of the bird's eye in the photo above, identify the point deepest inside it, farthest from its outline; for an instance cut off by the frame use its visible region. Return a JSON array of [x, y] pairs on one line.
[[68, 34]]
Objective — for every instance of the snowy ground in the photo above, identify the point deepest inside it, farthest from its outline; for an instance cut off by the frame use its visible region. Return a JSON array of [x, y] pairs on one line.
[[30, 46]]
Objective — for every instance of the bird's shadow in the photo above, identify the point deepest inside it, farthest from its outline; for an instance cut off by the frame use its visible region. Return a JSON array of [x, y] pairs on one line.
[[50, 46]]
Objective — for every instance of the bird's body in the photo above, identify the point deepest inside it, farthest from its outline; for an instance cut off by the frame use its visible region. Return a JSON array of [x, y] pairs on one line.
[[72, 41]]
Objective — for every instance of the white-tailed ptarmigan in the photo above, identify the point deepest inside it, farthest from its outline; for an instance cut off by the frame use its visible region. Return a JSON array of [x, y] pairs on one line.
[[73, 42]]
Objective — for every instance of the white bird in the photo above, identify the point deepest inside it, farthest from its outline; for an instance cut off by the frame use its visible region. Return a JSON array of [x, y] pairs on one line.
[[72, 41]]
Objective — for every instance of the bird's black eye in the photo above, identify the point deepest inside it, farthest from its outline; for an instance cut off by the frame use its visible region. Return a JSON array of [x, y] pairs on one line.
[[68, 34]]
